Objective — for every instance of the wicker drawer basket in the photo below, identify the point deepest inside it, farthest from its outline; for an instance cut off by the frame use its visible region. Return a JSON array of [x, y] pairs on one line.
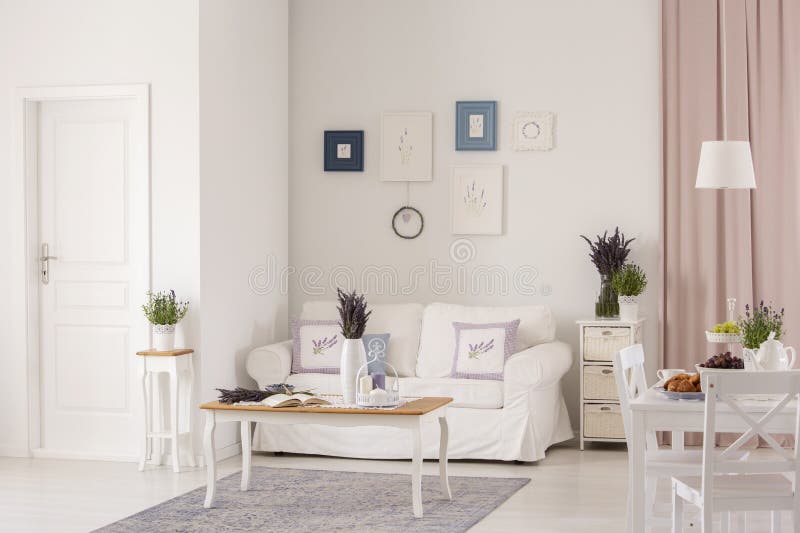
[[600, 344], [603, 421], [599, 383]]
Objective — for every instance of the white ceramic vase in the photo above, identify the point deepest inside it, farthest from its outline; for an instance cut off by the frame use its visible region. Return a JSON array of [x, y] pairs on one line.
[[628, 308], [164, 337], [353, 357]]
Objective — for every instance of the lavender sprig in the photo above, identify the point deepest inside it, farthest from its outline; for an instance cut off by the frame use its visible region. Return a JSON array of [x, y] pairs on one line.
[[478, 349], [240, 394]]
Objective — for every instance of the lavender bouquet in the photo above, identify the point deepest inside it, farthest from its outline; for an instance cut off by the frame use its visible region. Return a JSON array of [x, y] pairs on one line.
[[240, 394], [353, 314], [608, 254]]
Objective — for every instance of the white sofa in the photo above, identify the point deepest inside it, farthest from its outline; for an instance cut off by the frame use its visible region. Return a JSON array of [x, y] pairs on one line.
[[514, 419]]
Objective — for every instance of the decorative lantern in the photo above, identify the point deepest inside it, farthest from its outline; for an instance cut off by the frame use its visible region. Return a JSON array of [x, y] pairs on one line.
[[376, 392]]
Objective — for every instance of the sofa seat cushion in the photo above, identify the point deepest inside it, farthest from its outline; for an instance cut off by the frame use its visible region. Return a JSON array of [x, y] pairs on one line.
[[401, 321], [438, 343], [472, 393]]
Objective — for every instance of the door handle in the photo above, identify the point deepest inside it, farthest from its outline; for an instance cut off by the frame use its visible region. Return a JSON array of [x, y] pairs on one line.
[[44, 262]]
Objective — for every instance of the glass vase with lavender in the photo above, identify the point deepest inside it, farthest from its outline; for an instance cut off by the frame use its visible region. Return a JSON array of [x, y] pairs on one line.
[[608, 254]]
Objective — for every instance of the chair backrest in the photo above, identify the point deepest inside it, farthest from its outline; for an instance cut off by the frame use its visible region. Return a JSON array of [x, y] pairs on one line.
[[631, 382], [722, 387]]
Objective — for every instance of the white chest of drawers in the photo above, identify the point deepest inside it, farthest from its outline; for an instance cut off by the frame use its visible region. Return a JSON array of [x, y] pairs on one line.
[[601, 420]]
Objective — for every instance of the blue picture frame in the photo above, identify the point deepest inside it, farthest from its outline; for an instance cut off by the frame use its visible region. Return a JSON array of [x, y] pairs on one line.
[[476, 125], [344, 151]]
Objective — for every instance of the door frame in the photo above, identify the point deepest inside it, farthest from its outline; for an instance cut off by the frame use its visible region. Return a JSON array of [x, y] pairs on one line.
[[25, 124]]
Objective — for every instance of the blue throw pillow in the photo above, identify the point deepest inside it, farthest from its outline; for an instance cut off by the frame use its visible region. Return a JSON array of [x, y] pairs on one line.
[[376, 344]]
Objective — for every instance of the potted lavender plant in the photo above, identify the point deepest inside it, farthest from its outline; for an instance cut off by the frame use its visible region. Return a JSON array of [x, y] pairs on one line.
[[164, 310], [608, 254], [353, 316]]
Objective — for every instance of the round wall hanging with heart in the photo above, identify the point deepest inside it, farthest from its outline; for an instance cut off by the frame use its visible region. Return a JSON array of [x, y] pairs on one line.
[[407, 222]]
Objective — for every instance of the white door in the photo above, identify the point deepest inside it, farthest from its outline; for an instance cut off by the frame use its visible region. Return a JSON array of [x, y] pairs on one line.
[[93, 215]]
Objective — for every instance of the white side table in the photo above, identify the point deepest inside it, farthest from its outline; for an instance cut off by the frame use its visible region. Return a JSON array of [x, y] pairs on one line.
[[178, 364]]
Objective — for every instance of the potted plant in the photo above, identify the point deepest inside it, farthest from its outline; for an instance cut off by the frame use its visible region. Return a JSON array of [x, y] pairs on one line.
[[353, 316], [756, 326], [163, 311], [608, 254], [629, 282]]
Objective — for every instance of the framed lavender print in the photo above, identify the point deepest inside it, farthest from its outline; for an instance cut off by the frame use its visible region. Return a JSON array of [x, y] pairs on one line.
[[476, 125], [344, 151], [407, 146], [476, 200]]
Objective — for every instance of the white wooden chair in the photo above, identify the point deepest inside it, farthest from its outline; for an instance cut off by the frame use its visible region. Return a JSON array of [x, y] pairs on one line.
[[659, 463], [728, 483]]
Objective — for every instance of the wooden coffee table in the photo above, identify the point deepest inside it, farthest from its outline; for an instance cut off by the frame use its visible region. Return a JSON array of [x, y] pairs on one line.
[[408, 416]]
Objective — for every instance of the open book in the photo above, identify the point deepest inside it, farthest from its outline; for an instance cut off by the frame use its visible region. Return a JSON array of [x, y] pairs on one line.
[[293, 400]]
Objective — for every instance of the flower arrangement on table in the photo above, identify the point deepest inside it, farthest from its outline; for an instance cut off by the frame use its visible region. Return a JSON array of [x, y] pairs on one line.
[[758, 323]]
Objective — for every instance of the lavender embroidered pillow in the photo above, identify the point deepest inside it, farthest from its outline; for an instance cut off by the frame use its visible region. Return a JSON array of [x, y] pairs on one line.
[[317, 346], [482, 349]]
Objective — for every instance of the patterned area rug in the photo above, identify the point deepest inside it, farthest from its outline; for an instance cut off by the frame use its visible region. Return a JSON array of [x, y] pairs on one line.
[[282, 499]]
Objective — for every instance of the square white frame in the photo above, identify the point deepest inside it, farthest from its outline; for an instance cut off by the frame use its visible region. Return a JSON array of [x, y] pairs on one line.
[[544, 120], [422, 170], [491, 176]]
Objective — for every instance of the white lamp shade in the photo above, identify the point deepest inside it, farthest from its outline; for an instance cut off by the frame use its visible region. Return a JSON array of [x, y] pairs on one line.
[[725, 165]]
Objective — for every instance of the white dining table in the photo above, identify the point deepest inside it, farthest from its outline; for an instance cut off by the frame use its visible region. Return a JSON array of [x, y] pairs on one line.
[[653, 411]]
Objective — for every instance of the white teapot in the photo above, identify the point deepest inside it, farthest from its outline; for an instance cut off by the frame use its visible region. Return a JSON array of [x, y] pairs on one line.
[[771, 355]]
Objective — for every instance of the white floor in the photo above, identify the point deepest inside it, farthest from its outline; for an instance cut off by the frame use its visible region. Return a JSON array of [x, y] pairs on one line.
[[570, 491]]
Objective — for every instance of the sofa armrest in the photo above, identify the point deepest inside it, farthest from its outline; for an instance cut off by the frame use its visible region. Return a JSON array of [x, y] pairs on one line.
[[539, 366], [270, 364]]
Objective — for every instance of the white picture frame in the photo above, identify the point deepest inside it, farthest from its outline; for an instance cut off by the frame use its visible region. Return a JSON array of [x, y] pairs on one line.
[[534, 131], [407, 146], [476, 199]]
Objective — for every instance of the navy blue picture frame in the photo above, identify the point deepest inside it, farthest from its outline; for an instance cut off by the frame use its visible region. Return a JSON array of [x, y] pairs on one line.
[[486, 108], [333, 161]]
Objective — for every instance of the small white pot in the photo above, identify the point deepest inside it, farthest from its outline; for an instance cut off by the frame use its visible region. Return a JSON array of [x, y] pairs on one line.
[[353, 357], [628, 308], [164, 337]]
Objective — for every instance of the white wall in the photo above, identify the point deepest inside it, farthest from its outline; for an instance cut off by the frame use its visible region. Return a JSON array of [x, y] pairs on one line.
[[85, 42], [243, 183], [595, 64], [218, 74]]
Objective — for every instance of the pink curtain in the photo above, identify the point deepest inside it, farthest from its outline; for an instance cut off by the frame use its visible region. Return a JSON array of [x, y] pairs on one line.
[[744, 244]]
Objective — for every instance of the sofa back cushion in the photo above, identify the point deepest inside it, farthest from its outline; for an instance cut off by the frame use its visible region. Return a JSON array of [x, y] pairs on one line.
[[437, 341], [401, 321]]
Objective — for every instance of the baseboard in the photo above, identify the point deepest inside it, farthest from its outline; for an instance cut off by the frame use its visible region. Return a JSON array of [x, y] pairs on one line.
[[11, 451], [41, 453], [226, 452], [232, 450]]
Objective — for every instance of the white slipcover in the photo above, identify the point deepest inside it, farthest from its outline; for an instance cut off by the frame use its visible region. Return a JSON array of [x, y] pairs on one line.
[[514, 419]]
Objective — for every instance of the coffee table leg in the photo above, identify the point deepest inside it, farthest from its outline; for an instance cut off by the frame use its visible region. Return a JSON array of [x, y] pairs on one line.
[[246, 454], [416, 468], [445, 483], [211, 460]]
